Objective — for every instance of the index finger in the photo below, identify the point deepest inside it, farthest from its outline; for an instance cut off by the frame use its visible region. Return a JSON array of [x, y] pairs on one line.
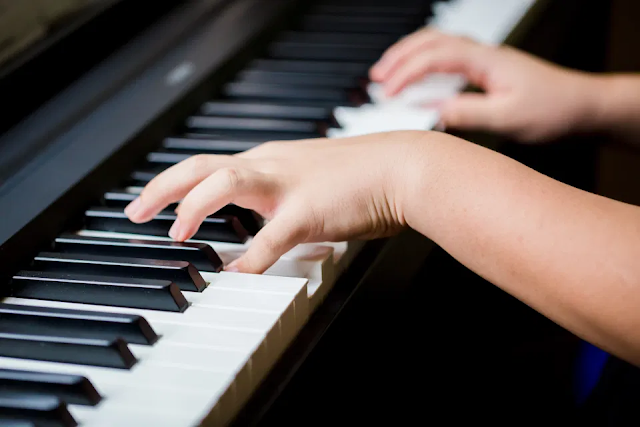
[[174, 183], [402, 50]]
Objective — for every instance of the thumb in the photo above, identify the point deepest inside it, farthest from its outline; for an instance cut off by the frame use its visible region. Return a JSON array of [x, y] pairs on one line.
[[472, 111], [276, 238]]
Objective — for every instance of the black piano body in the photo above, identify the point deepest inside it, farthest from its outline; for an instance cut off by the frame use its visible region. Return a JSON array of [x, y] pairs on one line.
[[83, 112]]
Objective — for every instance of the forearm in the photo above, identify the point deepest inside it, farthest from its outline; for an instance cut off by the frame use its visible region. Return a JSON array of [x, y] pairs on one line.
[[615, 105], [569, 254]]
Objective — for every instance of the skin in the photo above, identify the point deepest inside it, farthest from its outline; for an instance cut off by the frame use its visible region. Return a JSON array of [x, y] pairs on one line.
[[569, 254]]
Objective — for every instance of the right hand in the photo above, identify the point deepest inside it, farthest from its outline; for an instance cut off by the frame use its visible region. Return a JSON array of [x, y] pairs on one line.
[[524, 97], [316, 190]]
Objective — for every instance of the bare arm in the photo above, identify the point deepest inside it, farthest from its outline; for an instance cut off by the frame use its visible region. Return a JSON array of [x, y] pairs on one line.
[[569, 254]]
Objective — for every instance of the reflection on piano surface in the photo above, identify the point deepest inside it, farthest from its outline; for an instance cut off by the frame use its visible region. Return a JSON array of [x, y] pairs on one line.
[[105, 322]]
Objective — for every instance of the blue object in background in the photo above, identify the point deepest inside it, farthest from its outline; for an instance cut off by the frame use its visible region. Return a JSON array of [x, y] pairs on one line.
[[589, 366]]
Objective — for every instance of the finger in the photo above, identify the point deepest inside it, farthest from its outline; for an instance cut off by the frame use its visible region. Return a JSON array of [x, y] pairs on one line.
[[473, 111], [276, 238], [401, 51], [224, 186], [444, 59], [173, 184]]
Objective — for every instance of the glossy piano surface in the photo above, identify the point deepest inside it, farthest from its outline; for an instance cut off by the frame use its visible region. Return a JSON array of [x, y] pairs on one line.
[[152, 326]]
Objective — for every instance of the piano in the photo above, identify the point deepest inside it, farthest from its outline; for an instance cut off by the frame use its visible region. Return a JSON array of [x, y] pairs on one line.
[[104, 322]]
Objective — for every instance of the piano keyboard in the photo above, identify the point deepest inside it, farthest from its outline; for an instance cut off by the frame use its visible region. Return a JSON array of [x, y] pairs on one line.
[[115, 324]]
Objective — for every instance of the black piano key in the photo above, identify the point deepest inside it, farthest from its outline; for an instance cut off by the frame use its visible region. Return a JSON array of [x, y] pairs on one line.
[[326, 51], [72, 389], [239, 135], [105, 353], [164, 158], [146, 294], [298, 79], [251, 221], [396, 25], [207, 146], [268, 91], [226, 124], [201, 255], [182, 273], [248, 137], [355, 69], [219, 229], [141, 177], [41, 411], [57, 322], [268, 110], [16, 423], [380, 41]]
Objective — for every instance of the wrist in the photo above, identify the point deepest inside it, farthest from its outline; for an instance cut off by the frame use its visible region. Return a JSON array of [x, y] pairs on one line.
[[416, 179], [595, 113]]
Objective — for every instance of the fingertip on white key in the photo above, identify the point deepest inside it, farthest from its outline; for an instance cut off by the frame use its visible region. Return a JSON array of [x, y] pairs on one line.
[[434, 87]]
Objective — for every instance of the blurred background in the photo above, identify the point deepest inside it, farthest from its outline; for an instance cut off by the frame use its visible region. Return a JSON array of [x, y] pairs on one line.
[[24, 22]]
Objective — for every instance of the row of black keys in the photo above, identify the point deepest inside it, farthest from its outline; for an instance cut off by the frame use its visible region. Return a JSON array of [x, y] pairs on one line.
[[140, 274], [290, 94]]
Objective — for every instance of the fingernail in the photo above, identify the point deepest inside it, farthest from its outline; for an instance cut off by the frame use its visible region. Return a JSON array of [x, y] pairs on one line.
[[174, 231], [133, 208]]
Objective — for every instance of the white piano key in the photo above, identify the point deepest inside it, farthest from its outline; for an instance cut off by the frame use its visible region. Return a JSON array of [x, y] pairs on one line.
[[190, 356], [252, 344], [142, 373], [110, 414], [344, 253], [489, 21], [230, 297], [433, 88], [385, 118], [162, 400], [209, 336], [171, 356]]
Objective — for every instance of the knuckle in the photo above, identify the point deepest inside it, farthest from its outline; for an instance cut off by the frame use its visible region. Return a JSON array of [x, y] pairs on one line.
[[450, 116], [230, 178], [466, 40], [272, 146], [270, 243], [264, 149], [312, 226], [153, 189], [198, 162]]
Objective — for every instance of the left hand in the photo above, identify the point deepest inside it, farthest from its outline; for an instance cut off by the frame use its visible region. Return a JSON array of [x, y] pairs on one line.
[[524, 97]]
